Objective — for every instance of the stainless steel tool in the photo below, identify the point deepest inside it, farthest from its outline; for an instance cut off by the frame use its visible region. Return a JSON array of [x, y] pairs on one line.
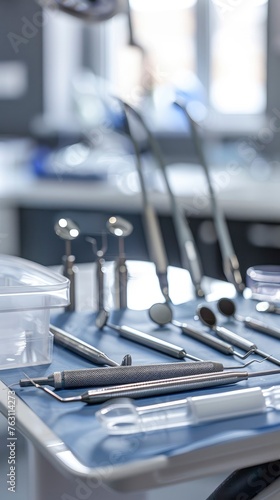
[[144, 338], [230, 261], [84, 349], [159, 387], [92, 377], [121, 228], [151, 223], [208, 318], [68, 230], [227, 308], [188, 251], [162, 315], [100, 268]]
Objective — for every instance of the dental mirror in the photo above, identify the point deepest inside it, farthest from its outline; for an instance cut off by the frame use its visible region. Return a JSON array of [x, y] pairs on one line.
[[68, 230], [161, 314], [227, 307], [120, 228]]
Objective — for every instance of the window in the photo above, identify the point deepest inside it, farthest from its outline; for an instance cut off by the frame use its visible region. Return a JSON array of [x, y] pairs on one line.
[[238, 56]]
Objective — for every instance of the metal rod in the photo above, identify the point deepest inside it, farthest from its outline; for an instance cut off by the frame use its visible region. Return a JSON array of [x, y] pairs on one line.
[[230, 262], [152, 341], [80, 347], [188, 251]]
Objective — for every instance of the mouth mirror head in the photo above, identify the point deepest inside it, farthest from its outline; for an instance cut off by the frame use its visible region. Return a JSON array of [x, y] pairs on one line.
[[160, 314], [226, 307], [66, 229], [119, 227], [206, 316]]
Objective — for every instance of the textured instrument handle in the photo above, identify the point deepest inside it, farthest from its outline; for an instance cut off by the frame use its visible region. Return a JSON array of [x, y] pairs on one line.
[[93, 377]]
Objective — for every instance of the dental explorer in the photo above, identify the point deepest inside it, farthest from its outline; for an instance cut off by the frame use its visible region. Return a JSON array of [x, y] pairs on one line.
[[159, 387]]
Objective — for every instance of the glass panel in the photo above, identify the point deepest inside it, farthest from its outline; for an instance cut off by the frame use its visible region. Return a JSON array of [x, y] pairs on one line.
[[238, 56]]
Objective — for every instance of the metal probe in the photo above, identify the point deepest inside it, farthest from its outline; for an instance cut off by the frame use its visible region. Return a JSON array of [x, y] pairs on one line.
[[91, 377], [209, 318], [159, 387], [144, 338], [83, 349]]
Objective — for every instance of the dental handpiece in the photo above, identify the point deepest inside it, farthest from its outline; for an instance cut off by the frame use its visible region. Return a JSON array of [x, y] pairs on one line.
[[124, 417], [158, 387], [80, 347], [91, 377]]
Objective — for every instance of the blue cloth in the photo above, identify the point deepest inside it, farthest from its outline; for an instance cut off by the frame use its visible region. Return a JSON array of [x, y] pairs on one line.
[[75, 423]]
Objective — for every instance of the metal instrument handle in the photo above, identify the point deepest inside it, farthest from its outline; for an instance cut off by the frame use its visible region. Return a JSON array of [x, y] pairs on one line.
[[151, 341], [91, 377], [208, 339], [235, 339], [259, 326]]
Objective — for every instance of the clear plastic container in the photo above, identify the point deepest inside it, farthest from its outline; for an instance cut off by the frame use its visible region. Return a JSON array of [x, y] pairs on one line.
[[264, 282], [28, 291]]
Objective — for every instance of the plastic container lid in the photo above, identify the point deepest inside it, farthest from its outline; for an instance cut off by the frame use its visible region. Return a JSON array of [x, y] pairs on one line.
[[26, 285]]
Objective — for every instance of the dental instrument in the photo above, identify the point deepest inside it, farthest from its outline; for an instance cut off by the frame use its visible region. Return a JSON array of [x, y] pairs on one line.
[[144, 338], [227, 308], [208, 318], [162, 314], [82, 348]]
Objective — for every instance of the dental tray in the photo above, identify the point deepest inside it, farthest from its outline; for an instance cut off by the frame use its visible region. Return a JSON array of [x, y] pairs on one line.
[[27, 293]]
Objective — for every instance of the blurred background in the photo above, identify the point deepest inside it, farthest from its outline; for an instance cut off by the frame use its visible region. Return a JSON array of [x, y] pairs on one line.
[[64, 149]]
